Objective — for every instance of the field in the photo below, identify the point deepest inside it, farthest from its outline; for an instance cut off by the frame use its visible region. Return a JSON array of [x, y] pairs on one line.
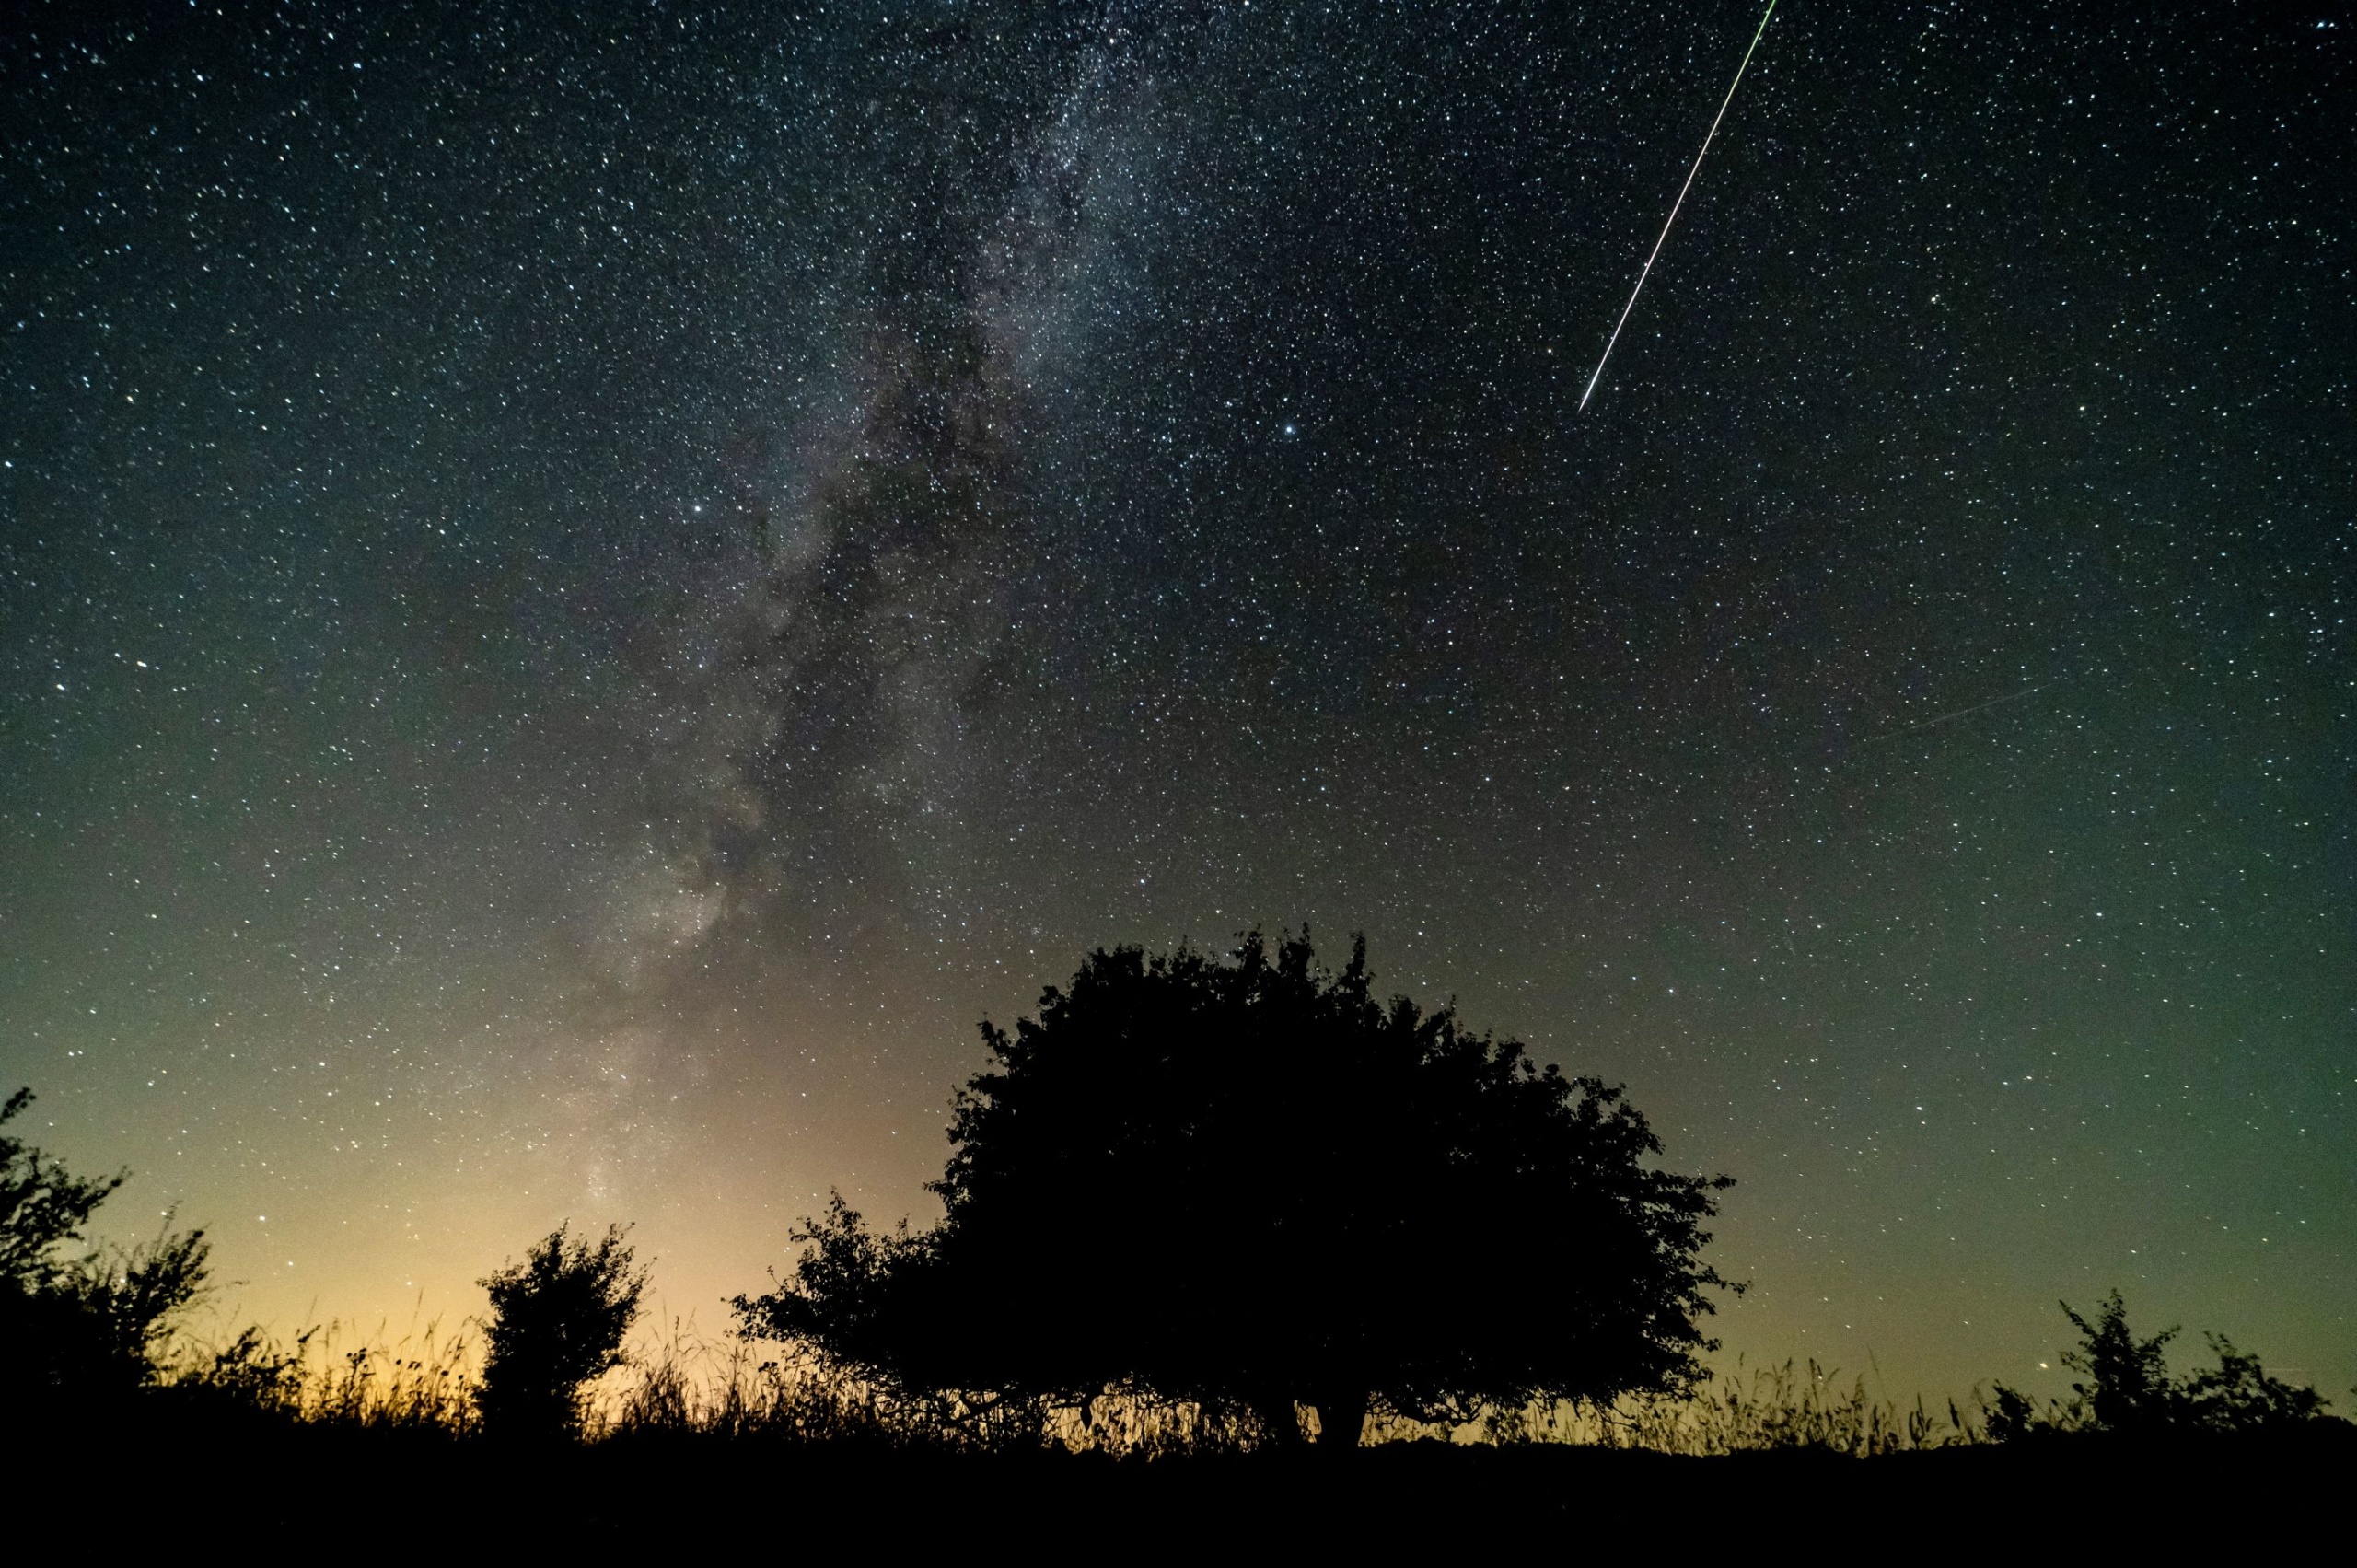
[[378, 1450], [357, 1487]]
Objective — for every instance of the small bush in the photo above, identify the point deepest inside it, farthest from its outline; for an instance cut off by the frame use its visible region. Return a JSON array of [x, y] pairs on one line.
[[88, 1325], [2125, 1387], [557, 1321]]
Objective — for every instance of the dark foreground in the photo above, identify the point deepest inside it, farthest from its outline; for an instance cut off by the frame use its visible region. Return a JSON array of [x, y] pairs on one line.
[[378, 1495]]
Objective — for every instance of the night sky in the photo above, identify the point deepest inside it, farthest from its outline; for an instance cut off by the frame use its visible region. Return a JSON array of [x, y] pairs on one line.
[[583, 589]]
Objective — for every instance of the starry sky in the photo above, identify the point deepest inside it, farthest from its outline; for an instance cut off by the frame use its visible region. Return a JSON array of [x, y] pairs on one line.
[[583, 589]]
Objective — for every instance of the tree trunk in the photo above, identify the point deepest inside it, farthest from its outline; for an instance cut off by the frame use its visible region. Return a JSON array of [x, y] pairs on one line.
[[1342, 1419]]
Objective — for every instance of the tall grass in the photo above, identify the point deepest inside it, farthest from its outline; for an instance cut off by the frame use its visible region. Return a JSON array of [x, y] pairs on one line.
[[680, 1383], [1758, 1410], [687, 1384], [331, 1375], [683, 1383]]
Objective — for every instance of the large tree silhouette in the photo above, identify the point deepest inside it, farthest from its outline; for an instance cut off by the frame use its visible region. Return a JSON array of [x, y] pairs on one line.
[[1251, 1183]]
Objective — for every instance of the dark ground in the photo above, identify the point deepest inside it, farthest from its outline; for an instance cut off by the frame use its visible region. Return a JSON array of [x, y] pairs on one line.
[[386, 1495]]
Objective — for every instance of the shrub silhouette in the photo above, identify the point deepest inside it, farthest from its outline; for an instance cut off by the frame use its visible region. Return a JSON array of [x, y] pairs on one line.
[[1251, 1184], [557, 1321], [2239, 1396], [2010, 1415], [88, 1324], [2126, 1388], [42, 1207]]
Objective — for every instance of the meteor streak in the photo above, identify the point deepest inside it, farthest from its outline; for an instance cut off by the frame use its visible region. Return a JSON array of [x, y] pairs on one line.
[[1951, 716], [1676, 204]]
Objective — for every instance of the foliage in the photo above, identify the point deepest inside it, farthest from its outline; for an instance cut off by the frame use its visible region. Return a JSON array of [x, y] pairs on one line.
[[43, 1206], [2126, 1388], [2011, 1414], [557, 1321], [251, 1373], [90, 1323], [2239, 1396], [132, 1297], [1251, 1186], [2126, 1380]]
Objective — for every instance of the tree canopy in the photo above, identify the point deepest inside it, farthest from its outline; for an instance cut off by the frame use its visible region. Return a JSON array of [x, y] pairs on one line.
[[1250, 1182]]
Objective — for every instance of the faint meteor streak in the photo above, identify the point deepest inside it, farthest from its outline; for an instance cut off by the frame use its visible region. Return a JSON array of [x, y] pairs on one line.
[[1676, 204], [1951, 716]]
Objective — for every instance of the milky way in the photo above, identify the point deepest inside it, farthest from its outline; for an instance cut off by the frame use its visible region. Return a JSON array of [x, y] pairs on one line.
[[581, 595]]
